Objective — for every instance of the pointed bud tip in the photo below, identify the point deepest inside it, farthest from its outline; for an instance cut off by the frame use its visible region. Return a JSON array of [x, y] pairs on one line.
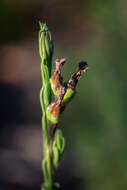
[[43, 26]]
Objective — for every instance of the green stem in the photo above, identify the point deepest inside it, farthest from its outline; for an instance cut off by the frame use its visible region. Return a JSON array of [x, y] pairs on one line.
[[46, 51], [46, 162]]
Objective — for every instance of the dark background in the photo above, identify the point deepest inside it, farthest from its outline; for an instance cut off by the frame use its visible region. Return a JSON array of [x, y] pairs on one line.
[[95, 122]]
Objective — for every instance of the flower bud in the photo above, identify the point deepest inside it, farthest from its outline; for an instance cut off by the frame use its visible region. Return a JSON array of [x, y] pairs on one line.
[[56, 79], [45, 44], [53, 109], [71, 84]]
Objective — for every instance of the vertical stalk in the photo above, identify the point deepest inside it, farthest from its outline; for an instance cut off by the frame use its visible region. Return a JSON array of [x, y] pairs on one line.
[[54, 145], [46, 52]]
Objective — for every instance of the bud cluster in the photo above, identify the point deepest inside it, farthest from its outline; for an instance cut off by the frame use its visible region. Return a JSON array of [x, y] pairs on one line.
[[63, 93]]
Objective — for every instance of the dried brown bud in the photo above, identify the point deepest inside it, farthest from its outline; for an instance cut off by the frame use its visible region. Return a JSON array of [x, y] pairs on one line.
[[56, 79], [53, 110], [83, 67]]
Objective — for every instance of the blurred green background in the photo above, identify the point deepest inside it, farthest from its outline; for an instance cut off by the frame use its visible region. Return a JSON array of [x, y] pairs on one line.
[[95, 122]]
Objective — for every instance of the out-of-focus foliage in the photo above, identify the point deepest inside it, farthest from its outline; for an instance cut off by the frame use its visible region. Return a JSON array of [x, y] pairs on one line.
[[95, 122]]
